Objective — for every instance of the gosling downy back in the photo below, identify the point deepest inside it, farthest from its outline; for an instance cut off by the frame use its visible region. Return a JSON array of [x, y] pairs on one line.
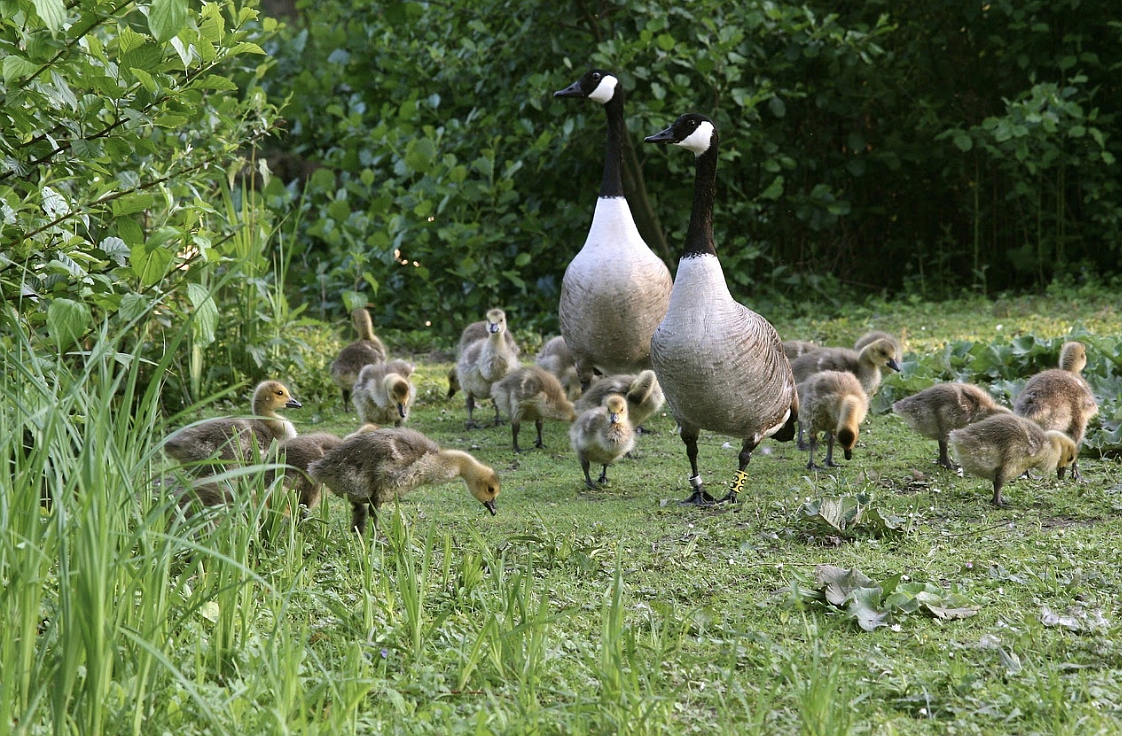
[[1004, 446], [1060, 398], [601, 435], [236, 439], [721, 366], [556, 358], [531, 393], [383, 393], [365, 350], [616, 290], [377, 466], [832, 402], [937, 410]]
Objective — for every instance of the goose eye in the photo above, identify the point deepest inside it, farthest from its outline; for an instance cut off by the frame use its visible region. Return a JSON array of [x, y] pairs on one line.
[[596, 76]]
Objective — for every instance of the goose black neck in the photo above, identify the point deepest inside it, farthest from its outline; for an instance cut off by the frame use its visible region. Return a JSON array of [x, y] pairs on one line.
[[699, 238], [612, 184]]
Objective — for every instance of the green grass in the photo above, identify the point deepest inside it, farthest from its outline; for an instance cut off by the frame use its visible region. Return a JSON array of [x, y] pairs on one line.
[[571, 611]]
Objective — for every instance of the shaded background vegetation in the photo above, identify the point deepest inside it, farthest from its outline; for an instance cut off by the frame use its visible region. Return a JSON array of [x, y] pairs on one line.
[[252, 177]]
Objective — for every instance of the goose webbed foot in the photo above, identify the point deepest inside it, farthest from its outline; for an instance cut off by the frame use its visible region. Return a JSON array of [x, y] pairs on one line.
[[946, 463], [699, 497], [643, 430]]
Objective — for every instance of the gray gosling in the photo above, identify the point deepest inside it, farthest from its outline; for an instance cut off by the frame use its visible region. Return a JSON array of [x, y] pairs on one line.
[[556, 357], [1060, 398], [484, 362], [297, 453], [234, 440], [374, 467], [475, 331], [832, 402], [383, 393], [866, 364], [937, 410], [531, 393], [365, 350], [644, 395], [601, 435], [1004, 446]]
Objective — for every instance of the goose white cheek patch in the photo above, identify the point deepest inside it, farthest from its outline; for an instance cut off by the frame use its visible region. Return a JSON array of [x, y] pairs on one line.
[[605, 90], [699, 140]]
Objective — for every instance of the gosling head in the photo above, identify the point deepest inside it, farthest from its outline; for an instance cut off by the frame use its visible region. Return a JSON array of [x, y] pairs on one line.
[[272, 395], [1068, 451], [596, 84], [483, 483], [496, 321], [400, 392], [881, 352], [617, 408], [691, 131]]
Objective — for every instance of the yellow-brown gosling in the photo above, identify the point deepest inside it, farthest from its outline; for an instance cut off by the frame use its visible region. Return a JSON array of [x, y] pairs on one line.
[[936, 410], [866, 364], [484, 362], [1004, 446], [643, 394], [1060, 398], [297, 453], [383, 393], [531, 393], [235, 439], [832, 402], [601, 435], [720, 365], [365, 350], [374, 467]]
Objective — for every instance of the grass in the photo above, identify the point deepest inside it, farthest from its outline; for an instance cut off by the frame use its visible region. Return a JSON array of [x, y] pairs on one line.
[[571, 611]]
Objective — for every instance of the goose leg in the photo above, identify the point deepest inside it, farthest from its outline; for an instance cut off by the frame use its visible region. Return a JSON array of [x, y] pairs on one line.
[[538, 425], [998, 482], [812, 446], [358, 517], [741, 476], [802, 443], [515, 428], [944, 458], [470, 403], [498, 416], [699, 497], [603, 475], [346, 399], [830, 451], [584, 465]]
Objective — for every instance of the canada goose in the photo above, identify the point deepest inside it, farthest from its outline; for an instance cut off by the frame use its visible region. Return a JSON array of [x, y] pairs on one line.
[[556, 358], [484, 362], [615, 290], [936, 410], [720, 365], [865, 363], [476, 331], [374, 467], [235, 438], [1059, 398], [365, 350], [531, 392], [383, 394], [601, 435], [644, 395], [832, 402], [1003, 446]]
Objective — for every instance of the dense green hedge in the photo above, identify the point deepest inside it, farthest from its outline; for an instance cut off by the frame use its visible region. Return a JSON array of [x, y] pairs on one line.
[[924, 147]]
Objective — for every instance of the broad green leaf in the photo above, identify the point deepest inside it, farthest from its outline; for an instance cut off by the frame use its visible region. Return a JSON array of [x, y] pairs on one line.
[[150, 264], [206, 314], [166, 18], [16, 67], [128, 39], [419, 154], [67, 321], [51, 12], [132, 203]]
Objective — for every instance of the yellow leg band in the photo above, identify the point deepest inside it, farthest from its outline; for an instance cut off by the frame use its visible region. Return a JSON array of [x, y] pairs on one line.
[[738, 482]]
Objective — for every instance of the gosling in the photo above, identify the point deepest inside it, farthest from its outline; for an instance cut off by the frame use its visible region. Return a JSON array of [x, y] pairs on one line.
[[935, 411], [383, 393], [365, 350], [556, 357], [643, 394], [1060, 398], [1004, 446], [531, 392], [475, 331], [832, 402], [374, 467], [866, 364], [484, 362], [234, 440], [601, 435]]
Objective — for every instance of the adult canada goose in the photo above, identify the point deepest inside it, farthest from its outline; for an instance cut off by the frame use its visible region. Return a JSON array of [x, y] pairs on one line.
[[643, 394], [615, 290], [1059, 398], [1004, 446], [365, 350], [866, 363], [832, 402], [601, 435], [484, 362], [374, 467], [556, 358], [936, 410], [235, 439], [383, 394], [476, 331], [531, 393], [720, 365]]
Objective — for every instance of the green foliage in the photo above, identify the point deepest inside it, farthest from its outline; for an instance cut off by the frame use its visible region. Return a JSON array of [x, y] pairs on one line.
[[849, 515]]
